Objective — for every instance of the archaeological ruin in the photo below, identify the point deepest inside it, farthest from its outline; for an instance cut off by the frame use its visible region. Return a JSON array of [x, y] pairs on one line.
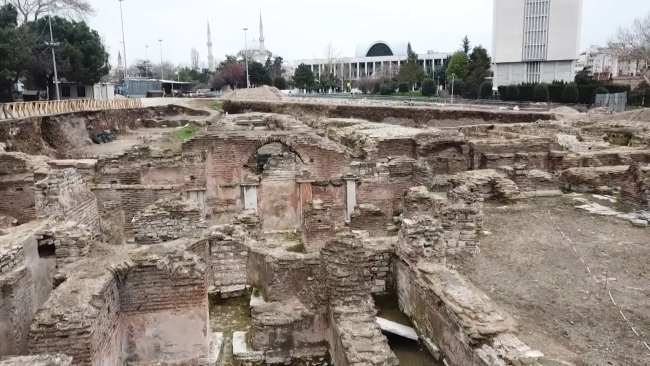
[[312, 233]]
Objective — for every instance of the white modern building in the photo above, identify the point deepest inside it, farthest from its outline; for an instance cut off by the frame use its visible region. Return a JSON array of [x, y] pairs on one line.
[[603, 63], [535, 40], [375, 59]]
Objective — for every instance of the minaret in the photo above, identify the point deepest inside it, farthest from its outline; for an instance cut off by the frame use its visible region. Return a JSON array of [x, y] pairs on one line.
[[262, 52], [119, 61], [210, 57]]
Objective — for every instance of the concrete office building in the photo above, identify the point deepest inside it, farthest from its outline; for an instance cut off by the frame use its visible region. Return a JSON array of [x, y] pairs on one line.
[[535, 40], [375, 60]]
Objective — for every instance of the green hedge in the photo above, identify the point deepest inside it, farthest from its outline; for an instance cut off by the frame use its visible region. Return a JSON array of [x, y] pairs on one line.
[[586, 93]]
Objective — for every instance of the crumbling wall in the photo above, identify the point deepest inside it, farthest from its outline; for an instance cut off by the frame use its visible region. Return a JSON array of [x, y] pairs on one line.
[[175, 310], [228, 255], [332, 193], [317, 225], [26, 278], [369, 218], [65, 195], [593, 179], [168, 219], [17, 194], [635, 186], [70, 240], [462, 219], [42, 360], [382, 183], [509, 149]]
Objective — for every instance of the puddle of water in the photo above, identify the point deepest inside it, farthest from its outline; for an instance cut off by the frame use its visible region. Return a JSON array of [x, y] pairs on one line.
[[408, 352]]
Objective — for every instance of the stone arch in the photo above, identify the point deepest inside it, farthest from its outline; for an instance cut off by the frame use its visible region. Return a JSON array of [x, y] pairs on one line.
[[284, 140]]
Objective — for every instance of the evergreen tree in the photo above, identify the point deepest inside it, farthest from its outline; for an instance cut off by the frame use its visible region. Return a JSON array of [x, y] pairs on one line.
[[411, 72], [303, 77]]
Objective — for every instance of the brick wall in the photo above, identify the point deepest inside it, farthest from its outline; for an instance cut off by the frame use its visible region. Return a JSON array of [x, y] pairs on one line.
[[317, 226], [593, 180], [228, 256], [64, 194], [332, 196], [15, 310], [168, 219], [369, 218], [635, 186], [71, 241], [42, 360], [17, 185]]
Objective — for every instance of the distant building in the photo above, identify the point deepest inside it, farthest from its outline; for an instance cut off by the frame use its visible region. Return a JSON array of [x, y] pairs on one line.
[[210, 56], [604, 64], [535, 40], [375, 59], [256, 50]]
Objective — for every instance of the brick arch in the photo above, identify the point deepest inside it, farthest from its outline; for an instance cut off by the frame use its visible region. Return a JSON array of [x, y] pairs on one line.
[[284, 140]]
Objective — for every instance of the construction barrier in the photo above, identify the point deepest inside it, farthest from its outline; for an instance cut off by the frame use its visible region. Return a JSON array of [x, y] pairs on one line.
[[34, 109]]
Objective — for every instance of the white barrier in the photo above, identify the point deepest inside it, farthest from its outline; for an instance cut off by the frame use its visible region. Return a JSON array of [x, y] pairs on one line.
[[34, 109]]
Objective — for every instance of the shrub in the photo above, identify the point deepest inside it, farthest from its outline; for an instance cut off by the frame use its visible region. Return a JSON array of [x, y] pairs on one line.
[[555, 91], [486, 90], [512, 93], [601, 90], [540, 93], [428, 87], [280, 83], [403, 88], [387, 88], [376, 87], [457, 86], [570, 93]]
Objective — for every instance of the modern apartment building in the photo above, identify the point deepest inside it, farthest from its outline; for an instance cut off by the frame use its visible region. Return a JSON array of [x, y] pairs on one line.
[[535, 40]]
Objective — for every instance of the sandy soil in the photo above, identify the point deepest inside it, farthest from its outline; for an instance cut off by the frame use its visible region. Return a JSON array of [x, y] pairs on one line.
[[529, 269], [162, 138]]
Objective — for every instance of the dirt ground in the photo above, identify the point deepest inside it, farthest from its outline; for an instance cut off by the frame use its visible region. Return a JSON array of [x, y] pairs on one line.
[[162, 138], [531, 271]]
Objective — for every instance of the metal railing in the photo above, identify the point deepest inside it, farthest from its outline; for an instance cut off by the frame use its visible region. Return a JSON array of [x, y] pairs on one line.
[[34, 109]]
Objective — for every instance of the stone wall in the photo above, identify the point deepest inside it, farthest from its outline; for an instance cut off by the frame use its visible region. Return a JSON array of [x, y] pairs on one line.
[[64, 194], [593, 179], [70, 240], [462, 219], [635, 186], [42, 360], [17, 185], [418, 115], [228, 255], [317, 225], [168, 219], [369, 218]]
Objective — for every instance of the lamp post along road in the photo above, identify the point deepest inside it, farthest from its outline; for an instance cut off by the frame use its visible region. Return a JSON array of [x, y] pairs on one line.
[[52, 45], [146, 60], [162, 72], [246, 57], [126, 64]]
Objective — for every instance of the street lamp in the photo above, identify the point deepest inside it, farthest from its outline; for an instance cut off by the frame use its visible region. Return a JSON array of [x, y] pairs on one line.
[[52, 45], [126, 67], [246, 57], [146, 60], [162, 72], [453, 80]]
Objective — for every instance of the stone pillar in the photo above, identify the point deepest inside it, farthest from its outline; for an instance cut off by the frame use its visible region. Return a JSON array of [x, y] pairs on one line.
[[358, 71], [250, 196], [373, 68], [351, 195], [350, 70]]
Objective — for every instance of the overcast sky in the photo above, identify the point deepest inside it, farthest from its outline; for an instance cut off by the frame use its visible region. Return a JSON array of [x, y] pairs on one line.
[[300, 29]]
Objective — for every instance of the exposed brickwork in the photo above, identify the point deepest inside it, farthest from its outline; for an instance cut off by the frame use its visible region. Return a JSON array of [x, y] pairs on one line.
[[594, 180], [635, 186], [318, 225], [168, 219], [229, 255], [42, 360], [71, 241], [17, 191], [369, 218]]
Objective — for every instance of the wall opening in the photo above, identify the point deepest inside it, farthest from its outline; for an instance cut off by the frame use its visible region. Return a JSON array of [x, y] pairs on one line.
[[274, 156], [46, 251]]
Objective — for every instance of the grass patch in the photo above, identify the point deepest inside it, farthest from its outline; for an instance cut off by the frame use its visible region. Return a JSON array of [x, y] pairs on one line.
[[216, 106], [185, 132]]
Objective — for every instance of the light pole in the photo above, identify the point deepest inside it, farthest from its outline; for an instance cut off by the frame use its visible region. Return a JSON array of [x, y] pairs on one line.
[[246, 57], [162, 72], [453, 80], [52, 45], [126, 67], [146, 60]]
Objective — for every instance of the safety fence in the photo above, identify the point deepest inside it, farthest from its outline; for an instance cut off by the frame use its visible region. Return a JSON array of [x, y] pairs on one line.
[[34, 109]]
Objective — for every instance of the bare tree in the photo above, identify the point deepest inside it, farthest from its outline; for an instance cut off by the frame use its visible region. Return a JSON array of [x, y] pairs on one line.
[[72, 9], [194, 63], [633, 44]]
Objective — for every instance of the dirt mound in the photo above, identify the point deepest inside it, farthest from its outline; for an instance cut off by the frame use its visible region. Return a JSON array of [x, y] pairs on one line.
[[565, 110], [269, 93], [638, 115]]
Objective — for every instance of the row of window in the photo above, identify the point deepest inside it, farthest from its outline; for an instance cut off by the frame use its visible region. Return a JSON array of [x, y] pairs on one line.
[[535, 29]]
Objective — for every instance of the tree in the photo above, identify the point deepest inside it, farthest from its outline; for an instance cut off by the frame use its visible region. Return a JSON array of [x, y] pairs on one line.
[[411, 72], [80, 57], [478, 68], [365, 84], [258, 74], [486, 90], [14, 50], [280, 83], [584, 77], [70, 9], [634, 44], [457, 66], [194, 59], [601, 90], [276, 68], [229, 59], [376, 87], [570, 93], [387, 87], [403, 87], [303, 77], [217, 82], [540, 93], [234, 74], [428, 87], [512, 92], [145, 68], [465, 46]]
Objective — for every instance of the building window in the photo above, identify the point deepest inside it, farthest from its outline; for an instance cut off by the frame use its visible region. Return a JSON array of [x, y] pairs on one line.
[[81, 92], [536, 29], [533, 72], [65, 91]]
